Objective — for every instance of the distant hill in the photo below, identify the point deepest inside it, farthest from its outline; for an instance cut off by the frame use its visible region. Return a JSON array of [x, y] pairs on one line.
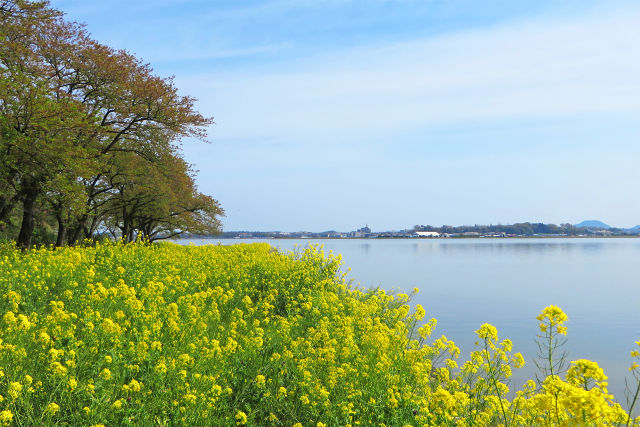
[[593, 224], [635, 229]]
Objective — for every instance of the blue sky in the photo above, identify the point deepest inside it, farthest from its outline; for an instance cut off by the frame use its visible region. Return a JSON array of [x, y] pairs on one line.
[[335, 113]]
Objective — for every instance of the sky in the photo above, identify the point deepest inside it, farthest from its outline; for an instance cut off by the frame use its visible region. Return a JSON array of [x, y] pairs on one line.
[[333, 114]]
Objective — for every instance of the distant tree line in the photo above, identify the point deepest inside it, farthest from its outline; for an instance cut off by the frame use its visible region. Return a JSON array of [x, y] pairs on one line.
[[519, 229], [89, 138]]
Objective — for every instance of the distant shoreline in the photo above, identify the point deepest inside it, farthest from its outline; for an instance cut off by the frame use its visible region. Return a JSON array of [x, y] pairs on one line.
[[628, 236], [524, 230]]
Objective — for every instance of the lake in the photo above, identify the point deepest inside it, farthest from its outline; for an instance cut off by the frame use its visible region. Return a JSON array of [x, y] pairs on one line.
[[507, 282]]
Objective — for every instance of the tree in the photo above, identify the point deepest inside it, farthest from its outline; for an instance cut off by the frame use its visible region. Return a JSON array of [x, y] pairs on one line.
[[158, 199], [70, 108]]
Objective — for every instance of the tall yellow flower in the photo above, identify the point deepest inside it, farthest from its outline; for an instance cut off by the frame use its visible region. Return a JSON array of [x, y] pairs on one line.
[[552, 316]]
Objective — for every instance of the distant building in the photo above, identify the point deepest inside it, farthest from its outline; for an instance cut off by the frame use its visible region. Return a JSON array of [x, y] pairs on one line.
[[428, 234], [361, 232]]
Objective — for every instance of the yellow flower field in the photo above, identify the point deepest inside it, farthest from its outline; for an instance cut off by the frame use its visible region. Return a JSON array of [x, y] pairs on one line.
[[245, 335]]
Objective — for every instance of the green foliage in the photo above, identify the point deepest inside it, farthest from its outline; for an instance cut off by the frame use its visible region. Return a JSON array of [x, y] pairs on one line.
[[77, 119]]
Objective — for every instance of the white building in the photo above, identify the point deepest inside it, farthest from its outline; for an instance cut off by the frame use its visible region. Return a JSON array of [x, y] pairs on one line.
[[428, 234]]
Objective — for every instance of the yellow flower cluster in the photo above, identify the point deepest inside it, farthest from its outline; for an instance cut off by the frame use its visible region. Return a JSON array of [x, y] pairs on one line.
[[553, 316], [246, 335], [6, 417]]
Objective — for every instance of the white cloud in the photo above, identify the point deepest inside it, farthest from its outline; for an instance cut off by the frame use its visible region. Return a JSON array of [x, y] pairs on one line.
[[540, 68]]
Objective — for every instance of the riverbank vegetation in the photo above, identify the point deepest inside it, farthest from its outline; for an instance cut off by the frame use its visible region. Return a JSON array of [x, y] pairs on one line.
[[232, 335], [89, 138]]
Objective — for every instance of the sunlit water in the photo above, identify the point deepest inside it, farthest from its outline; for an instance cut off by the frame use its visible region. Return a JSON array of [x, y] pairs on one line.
[[506, 282]]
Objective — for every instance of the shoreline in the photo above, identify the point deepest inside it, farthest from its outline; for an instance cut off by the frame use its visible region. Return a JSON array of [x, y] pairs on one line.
[[630, 236]]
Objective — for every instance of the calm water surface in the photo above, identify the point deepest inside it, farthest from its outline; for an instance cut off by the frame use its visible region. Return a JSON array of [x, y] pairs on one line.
[[507, 282]]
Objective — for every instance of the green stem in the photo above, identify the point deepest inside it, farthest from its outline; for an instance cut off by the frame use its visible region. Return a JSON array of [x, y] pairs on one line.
[[633, 402], [555, 404], [495, 383], [550, 358], [550, 346]]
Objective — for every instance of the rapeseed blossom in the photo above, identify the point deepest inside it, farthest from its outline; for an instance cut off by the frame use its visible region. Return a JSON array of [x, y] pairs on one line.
[[6, 417], [52, 409], [553, 316], [241, 418], [105, 374], [163, 334], [15, 388]]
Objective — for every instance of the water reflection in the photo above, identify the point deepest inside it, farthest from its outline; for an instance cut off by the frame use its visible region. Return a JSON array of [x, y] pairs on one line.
[[526, 247]]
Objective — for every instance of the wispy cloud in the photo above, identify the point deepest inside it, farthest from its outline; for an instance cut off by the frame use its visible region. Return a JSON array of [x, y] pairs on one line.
[[335, 113], [589, 65]]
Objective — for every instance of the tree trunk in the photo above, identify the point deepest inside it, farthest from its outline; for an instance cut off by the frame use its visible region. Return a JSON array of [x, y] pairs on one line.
[[91, 230], [6, 206], [62, 232], [28, 210], [125, 230], [74, 237], [7, 203]]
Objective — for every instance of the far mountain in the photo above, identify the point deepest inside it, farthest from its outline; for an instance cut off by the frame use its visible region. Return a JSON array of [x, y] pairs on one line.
[[593, 224], [635, 229]]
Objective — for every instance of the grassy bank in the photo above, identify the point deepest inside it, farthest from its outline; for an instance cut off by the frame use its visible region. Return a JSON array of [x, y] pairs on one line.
[[233, 335]]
